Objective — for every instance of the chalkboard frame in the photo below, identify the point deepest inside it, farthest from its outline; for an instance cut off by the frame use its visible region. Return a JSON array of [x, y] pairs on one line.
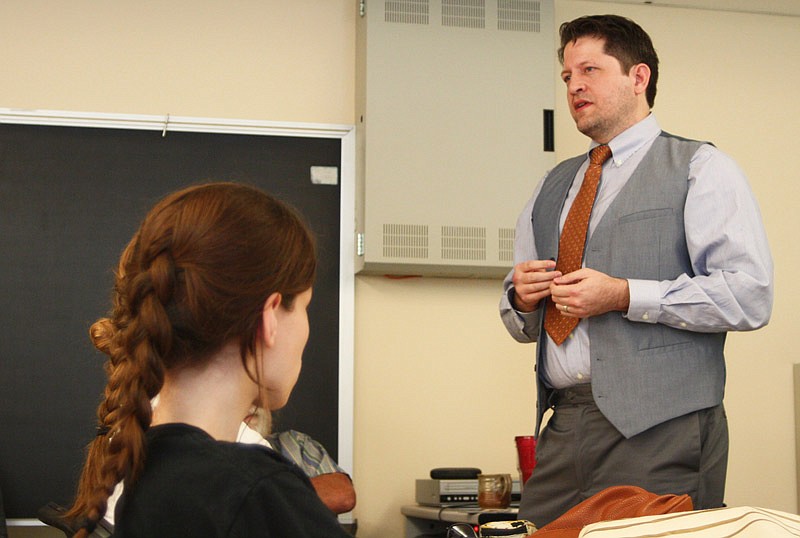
[[346, 134]]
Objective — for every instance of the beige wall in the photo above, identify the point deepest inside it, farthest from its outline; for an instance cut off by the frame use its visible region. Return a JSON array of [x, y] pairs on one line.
[[252, 59], [437, 380]]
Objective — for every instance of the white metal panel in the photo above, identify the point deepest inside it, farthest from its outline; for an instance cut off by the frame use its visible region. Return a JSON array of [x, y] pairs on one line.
[[452, 94]]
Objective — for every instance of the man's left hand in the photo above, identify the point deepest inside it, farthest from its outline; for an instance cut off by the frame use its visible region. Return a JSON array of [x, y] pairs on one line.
[[585, 293]]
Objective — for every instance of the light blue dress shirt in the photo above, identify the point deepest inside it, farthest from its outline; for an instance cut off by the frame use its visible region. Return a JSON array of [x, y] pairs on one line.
[[727, 246]]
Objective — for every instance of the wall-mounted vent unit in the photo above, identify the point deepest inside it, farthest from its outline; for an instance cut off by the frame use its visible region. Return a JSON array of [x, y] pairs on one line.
[[455, 101]]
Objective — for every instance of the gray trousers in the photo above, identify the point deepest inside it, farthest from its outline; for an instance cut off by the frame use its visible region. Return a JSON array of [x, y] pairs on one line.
[[580, 453]]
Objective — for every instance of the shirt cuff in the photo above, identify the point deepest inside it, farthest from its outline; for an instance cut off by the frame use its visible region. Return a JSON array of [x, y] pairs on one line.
[[645, 301], [527, 316]]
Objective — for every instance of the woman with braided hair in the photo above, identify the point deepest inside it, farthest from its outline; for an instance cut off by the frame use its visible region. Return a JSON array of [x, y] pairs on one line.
[[209, 312]]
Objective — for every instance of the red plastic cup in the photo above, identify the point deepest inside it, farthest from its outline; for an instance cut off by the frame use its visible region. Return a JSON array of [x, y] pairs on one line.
[[526, 456]]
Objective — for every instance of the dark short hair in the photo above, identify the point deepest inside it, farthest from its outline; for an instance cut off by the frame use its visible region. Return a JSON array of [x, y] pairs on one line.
[[624, 40]]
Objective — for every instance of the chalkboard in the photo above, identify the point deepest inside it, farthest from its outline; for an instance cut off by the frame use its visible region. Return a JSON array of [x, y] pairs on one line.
[[70, 199]]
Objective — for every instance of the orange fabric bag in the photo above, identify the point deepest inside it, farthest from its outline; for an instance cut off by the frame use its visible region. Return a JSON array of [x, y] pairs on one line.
[[616, 502]]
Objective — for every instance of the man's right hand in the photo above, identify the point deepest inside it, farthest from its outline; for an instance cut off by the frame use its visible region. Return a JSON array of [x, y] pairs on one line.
[[532, 283]]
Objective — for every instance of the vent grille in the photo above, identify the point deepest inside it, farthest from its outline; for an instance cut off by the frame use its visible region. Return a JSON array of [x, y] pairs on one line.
[[519, 15], [506, 244], [463, 243], [464, 13], [407, 11], [405, 241]]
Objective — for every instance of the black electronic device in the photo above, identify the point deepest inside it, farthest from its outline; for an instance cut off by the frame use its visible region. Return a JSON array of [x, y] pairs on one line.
[[455, 473]]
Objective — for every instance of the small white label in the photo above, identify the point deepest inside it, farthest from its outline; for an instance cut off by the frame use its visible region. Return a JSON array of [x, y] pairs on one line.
[[325, 175]]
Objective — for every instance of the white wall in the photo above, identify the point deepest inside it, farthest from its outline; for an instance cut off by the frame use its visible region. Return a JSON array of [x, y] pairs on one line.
[[437, 381]]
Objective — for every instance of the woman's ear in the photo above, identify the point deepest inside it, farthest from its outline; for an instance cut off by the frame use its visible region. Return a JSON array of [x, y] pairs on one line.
[[269, 318]]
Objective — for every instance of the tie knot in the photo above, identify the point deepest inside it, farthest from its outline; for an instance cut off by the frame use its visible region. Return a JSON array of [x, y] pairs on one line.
[[600, 154]]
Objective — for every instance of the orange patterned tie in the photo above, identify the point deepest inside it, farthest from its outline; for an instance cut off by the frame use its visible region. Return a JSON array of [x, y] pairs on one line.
[[573, 239]]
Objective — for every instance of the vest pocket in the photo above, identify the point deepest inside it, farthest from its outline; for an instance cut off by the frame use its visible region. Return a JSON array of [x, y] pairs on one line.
[[646, 214], [645, 245]]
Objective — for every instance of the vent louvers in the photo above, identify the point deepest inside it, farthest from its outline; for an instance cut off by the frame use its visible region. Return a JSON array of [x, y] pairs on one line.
[[464, 13], [519, 15], [463, 243], [506, 244], [405, 241], [407, 11]]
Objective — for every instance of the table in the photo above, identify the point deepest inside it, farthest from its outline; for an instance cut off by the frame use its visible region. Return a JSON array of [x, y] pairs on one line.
[[433, 520]]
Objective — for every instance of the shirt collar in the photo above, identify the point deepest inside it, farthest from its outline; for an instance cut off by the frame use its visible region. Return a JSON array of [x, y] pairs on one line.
[[632, 139]]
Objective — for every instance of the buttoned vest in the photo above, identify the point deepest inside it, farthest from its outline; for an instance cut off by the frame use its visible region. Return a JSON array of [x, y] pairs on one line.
[[642, 373]]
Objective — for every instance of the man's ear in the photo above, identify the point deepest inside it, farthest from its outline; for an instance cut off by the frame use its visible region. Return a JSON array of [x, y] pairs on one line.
[[641, 77], [269, 318]]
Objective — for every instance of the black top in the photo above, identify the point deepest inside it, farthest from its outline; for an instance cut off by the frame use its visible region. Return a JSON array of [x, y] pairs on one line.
[[193, 485]]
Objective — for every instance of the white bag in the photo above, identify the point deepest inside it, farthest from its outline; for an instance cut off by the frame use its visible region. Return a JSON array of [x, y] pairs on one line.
[[738, 522]]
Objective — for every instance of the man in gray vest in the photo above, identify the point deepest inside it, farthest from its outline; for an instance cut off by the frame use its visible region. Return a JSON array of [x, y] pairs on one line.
[[671, 255]]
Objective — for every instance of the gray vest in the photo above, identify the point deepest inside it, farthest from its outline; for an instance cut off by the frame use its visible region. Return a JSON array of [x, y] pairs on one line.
[[643, 374]]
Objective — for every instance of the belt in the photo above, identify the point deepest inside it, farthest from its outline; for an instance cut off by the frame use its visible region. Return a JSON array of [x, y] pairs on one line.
[[574, 395]]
